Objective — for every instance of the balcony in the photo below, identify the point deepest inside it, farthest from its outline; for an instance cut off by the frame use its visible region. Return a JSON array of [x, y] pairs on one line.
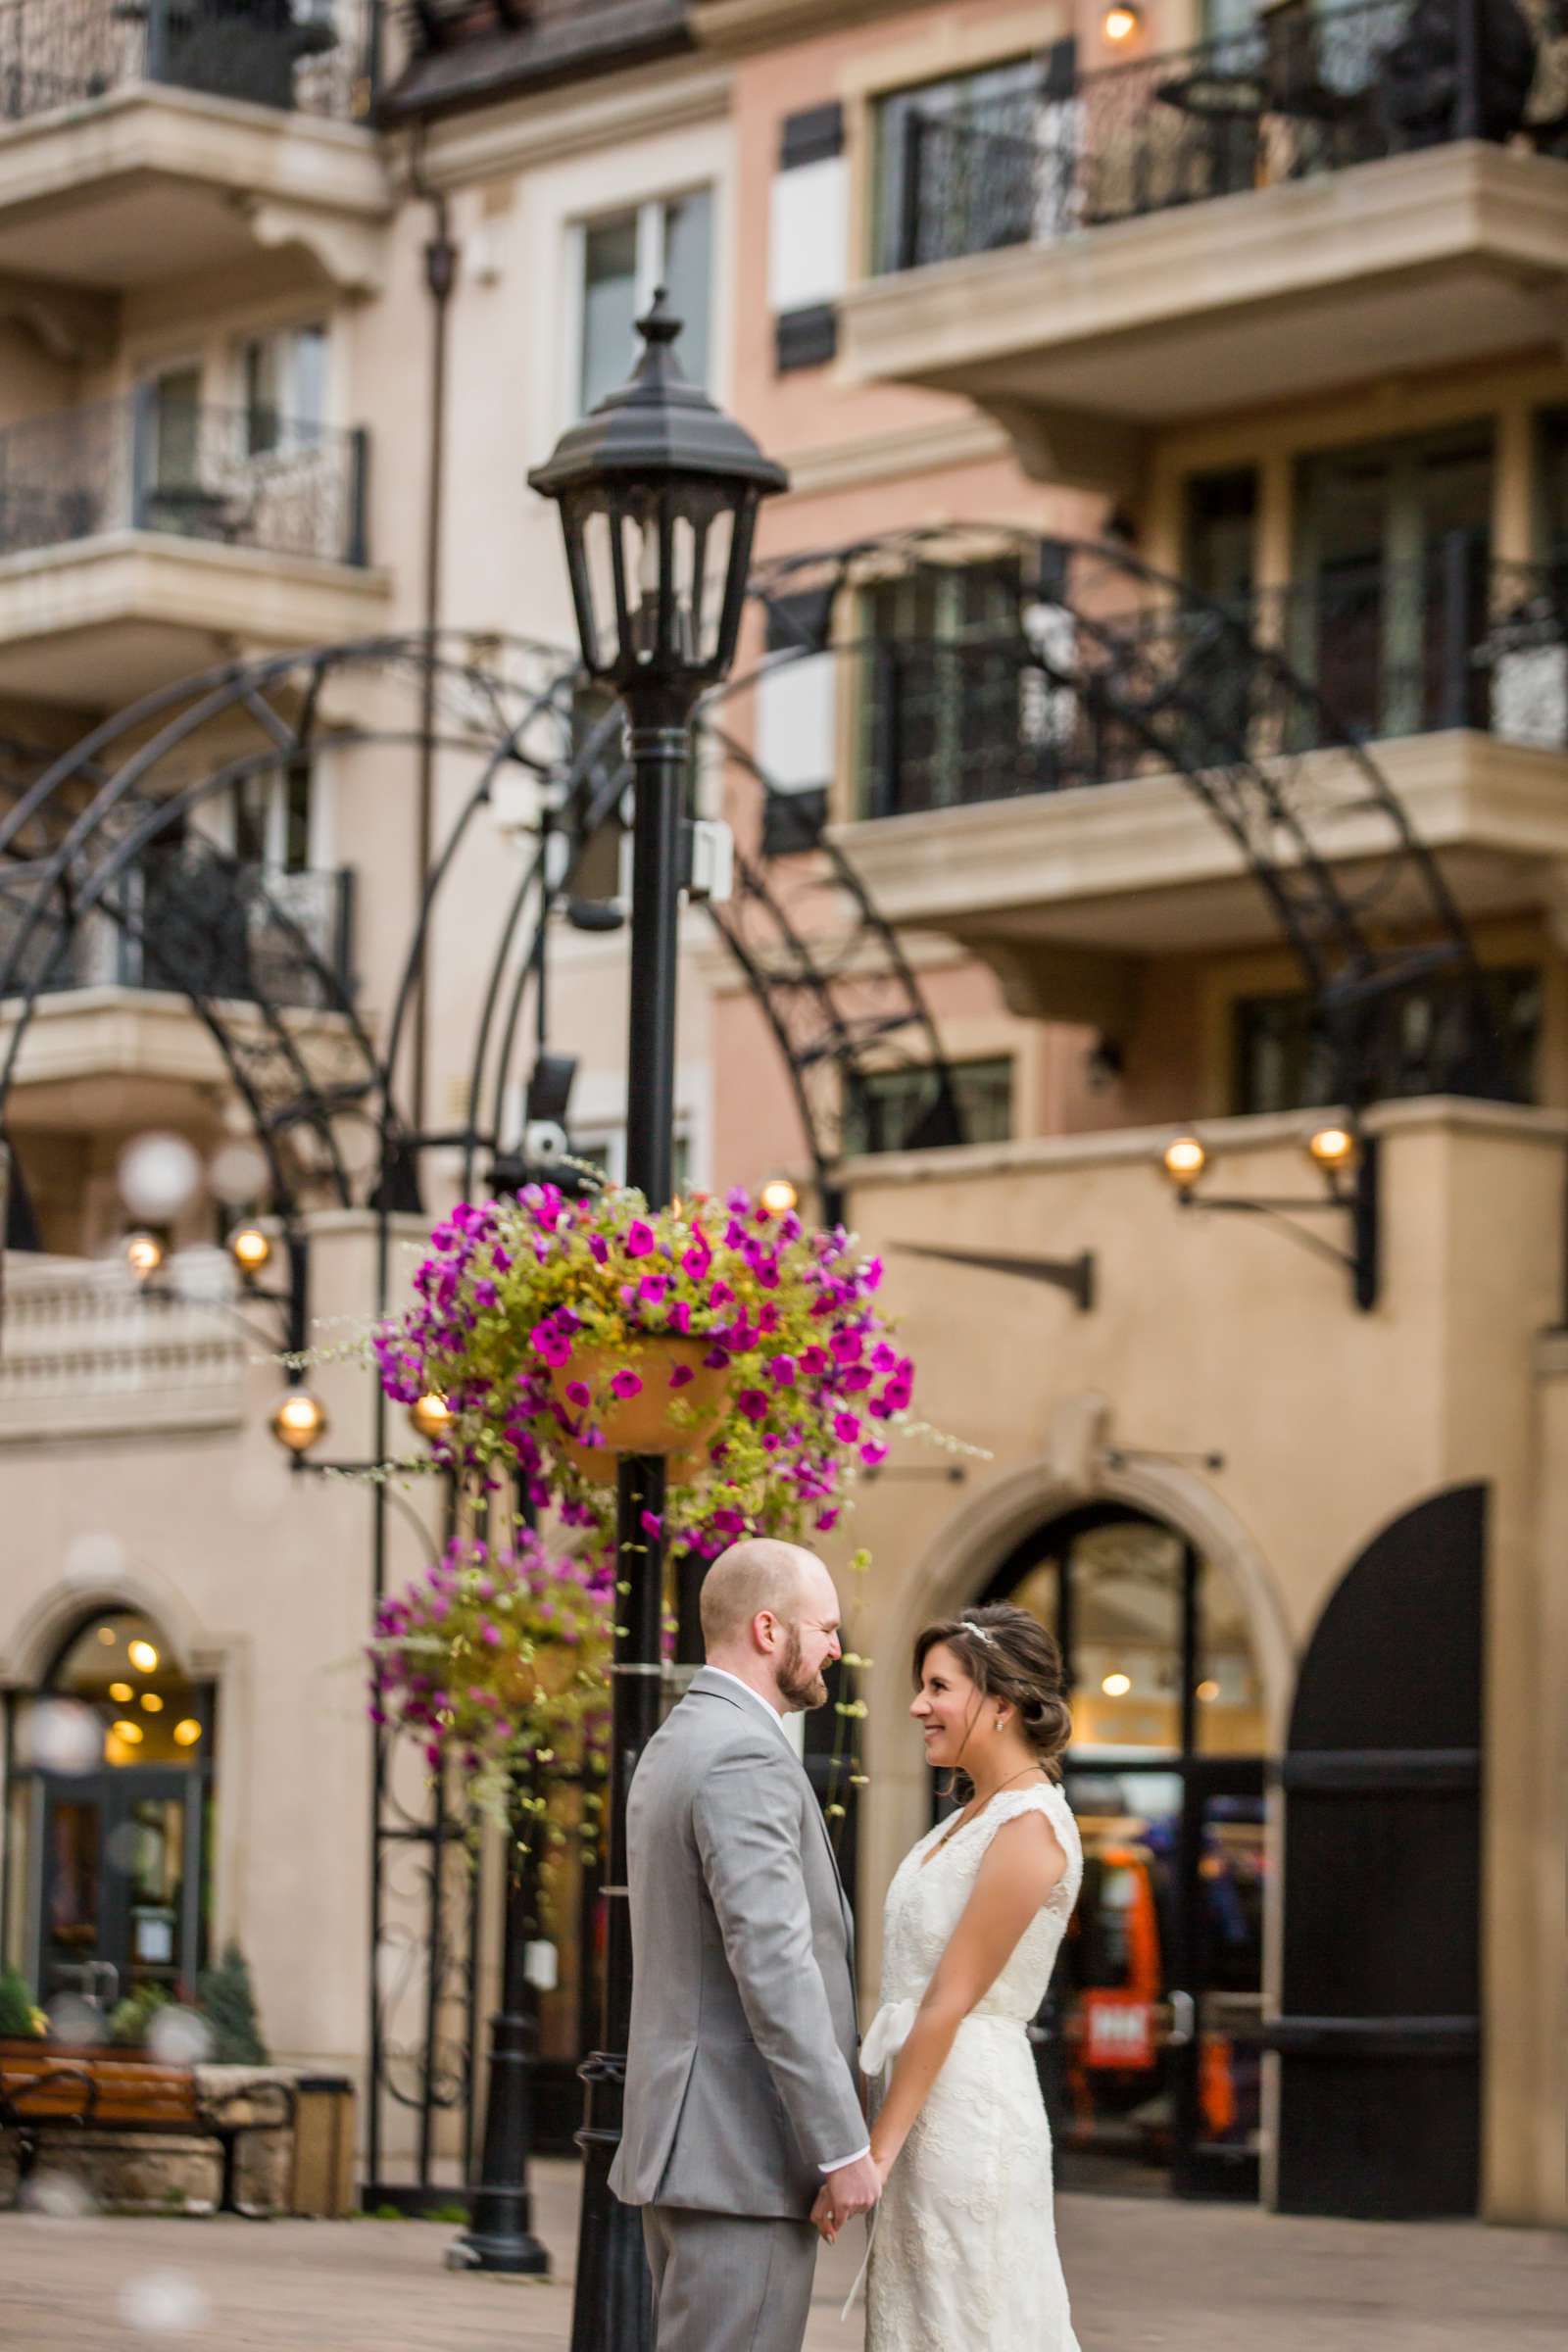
[[149, 139], [85, 1353], [1028, 817], [141, 540], [111, 1008], [1263, 216]]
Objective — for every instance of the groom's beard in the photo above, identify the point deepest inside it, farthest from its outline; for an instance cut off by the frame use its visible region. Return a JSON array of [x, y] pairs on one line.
[[803, 1691]]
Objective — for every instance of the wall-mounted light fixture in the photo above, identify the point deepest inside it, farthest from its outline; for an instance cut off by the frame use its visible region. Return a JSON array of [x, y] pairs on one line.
[[1121, 20], [1347, 1161]]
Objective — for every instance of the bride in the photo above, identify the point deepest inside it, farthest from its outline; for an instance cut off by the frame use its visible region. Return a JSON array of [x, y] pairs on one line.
[[964, 2248]]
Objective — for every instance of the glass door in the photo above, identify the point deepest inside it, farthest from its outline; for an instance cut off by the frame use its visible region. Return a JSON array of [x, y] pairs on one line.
[[118, 1908], [1216, 2040]]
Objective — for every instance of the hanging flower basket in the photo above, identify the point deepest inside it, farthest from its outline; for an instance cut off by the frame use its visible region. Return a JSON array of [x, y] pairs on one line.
[[495, 1660], [746, 1349], [679, 1399]]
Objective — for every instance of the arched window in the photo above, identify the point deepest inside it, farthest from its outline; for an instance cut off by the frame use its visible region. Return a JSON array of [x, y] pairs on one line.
[[109, 1796]]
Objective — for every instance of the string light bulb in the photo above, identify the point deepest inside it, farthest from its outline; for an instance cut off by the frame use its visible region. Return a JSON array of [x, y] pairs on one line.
[[1334, 1148], [431, 1416], [778, 1195], [250, 1249], [298, 1421], [1183, 1160], [144, 1254]]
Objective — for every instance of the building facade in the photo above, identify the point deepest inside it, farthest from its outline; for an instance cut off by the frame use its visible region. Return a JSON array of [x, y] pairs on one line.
[[1162, 632]]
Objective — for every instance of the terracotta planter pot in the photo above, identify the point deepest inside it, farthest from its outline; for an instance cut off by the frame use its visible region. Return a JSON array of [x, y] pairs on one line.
[[642, 1424]]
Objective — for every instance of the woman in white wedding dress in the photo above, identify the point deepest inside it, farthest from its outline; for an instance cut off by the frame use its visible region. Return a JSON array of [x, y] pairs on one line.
[[964, 2250]]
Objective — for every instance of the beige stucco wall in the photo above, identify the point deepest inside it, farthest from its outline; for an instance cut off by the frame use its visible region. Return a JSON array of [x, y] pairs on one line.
[[1216, 1335]]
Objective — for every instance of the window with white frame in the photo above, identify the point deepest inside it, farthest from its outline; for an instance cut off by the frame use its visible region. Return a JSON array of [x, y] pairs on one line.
[[667, 241], [283, 378]]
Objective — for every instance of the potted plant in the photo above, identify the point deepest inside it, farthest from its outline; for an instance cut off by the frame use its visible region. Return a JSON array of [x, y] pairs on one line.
[[749, 1349]]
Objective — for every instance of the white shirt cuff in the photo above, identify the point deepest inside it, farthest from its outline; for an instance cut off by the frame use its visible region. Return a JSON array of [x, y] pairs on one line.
[[838, 2166]]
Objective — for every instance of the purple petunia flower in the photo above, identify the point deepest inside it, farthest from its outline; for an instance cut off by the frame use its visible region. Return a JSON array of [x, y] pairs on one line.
[[782, 1371], [652, 1287], [682, 1376], [579, 1393], [639, 1239], [752, 1403], [625, 1383], [846, 1428]]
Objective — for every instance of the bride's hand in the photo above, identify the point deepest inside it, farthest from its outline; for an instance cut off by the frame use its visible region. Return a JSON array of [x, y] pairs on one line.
[[823, 2217]]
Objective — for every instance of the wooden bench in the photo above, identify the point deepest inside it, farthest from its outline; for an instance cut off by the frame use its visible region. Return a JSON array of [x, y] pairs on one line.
[[100, 2092]]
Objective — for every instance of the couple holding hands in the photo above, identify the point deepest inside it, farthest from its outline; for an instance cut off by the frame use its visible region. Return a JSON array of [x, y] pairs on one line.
[[745, 2136]]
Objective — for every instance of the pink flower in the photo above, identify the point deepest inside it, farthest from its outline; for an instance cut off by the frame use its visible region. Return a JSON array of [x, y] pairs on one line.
[[847, 1346], [652, 1287], [883, 1357], [872, 1274], [652, 1525], [553, 1345], [828, 1519], [680, 1316], [639, 1239], [698, 1260], [752, 1403], [813, 1362], [625, 1383], [579, 1393], [682, 1376], [716, 1359], [599, 1248], [872, 1452], [782, 1371], [846, 1428]]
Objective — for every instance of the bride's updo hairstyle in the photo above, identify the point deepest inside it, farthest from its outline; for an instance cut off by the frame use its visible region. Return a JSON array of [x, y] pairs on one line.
[[1008, 1655]]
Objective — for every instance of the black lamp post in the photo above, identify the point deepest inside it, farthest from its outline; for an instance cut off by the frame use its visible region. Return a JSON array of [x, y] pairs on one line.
[[659, 492]]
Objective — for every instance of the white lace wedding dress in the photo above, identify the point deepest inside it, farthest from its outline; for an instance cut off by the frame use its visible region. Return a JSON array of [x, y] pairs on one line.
[[963, 2255]]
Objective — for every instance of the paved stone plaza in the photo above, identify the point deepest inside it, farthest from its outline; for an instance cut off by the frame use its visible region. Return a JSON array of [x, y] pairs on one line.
[[1146, 2277]]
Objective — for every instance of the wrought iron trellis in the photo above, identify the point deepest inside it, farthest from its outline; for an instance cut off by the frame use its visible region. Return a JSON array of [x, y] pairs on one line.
[[1088, 667]]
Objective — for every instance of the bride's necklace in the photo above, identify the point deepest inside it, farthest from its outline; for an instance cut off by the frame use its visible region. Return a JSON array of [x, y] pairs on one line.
[[966, 1818]]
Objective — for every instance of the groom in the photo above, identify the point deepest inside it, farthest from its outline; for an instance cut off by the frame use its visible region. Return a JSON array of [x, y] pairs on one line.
[[740, 2088]]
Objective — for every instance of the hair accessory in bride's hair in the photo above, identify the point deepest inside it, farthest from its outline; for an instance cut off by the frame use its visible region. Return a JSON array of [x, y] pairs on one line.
[[981, 1633]]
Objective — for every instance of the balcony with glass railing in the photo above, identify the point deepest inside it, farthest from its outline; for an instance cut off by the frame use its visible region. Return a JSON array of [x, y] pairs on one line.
[[1054, 248], [136, 535], [144, 139], [1020, 790]]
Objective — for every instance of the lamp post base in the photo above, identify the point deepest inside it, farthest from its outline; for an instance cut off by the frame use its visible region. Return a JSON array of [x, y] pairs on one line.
[[614, 2310]]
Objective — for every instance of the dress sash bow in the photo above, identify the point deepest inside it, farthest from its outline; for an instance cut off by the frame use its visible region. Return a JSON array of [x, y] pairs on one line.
[[885, 2036]]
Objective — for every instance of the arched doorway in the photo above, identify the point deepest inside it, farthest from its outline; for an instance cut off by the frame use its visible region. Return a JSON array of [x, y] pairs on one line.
[[1151, 2049], [109, 1791]]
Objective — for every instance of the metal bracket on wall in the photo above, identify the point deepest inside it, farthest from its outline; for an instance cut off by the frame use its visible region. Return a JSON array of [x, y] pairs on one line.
[[1074, 1275]]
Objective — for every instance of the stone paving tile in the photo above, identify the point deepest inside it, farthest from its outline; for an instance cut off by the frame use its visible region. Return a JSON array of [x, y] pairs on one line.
[[1146, 2277]]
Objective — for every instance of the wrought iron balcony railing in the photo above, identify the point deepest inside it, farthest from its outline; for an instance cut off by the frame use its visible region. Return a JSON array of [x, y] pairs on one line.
[[1455, 642], [244, 477], [192, 921], [1304, 91], [312, 57]]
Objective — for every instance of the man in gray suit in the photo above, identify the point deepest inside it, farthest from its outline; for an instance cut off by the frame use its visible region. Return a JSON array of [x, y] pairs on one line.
[[740, 2088]]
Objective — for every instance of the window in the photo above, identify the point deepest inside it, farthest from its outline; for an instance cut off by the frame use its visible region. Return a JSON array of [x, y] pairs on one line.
[[667, 242], [284, 389], [1393, 551], [1283, 1062], [943, 719], [957, 168], [270, 819], [887, 1111]]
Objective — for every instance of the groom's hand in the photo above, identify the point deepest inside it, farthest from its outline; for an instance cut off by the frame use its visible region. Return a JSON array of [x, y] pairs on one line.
[[854, 2188]]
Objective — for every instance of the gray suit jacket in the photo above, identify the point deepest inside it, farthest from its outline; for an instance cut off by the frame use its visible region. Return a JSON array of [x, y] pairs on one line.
[[740, 2081]]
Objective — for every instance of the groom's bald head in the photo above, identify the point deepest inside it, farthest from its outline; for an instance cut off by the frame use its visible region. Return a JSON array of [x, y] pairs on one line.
[[757, 1574]]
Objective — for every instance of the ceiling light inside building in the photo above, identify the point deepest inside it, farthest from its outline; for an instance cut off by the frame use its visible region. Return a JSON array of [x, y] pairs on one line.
[[1117, 1686]]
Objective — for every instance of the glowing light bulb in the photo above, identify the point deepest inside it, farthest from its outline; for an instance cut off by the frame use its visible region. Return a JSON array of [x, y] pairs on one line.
[[1117, 1686], [778, 1195], [143, 1657]]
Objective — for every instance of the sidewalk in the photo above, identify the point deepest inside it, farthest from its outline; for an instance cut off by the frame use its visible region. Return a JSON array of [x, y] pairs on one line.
[[1146, 2277]]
